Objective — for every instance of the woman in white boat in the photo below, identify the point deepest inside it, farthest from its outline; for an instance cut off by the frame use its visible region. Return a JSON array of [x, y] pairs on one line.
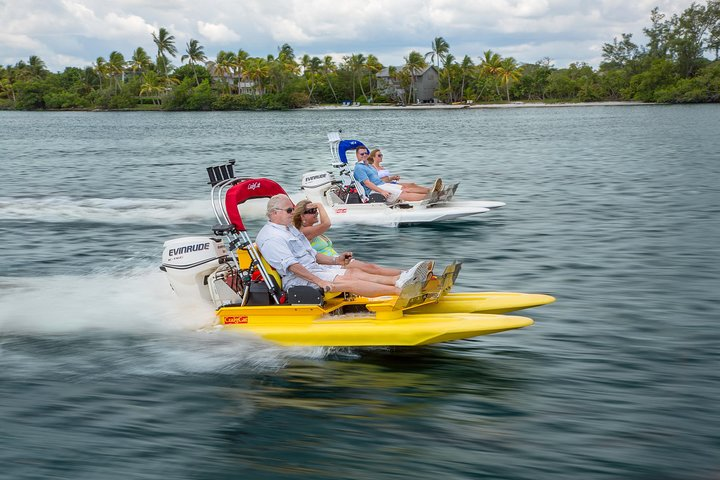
[[375, 160], [313, 221]]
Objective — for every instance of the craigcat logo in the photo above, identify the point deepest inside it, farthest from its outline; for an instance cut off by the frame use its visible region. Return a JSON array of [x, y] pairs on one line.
[[254, 186], [236, 320], [341, 210]]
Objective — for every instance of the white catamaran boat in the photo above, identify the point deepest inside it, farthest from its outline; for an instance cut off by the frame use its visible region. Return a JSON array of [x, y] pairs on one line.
[[345, 201]]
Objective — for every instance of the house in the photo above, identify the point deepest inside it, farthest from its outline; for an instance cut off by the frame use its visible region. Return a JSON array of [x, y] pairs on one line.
[[234, 81], [426, 82]]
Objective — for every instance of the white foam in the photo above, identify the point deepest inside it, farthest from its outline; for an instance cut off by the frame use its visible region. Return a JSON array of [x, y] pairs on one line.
[[170, 336], [105, 210], [138, 300]]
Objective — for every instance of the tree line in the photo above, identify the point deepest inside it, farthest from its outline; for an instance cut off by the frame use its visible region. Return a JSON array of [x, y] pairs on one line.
[[674, 66]]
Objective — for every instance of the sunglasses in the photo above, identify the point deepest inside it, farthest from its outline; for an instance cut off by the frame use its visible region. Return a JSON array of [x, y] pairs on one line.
[[311, 211], [286, 210], [379, 155], [363, 153]]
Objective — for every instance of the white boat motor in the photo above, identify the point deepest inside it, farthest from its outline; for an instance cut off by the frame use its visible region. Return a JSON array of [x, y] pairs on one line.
[[189, 261], [316, 179]]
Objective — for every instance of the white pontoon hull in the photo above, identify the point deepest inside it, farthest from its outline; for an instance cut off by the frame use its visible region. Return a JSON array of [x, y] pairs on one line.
[[380, 214], [393, 215]]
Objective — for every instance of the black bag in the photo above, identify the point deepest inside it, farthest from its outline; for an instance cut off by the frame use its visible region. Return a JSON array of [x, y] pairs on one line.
[[305, 295], [259, 294]]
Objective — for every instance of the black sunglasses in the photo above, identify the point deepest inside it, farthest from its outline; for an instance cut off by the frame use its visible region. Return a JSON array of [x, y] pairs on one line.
[[287, 210], [311, 211]]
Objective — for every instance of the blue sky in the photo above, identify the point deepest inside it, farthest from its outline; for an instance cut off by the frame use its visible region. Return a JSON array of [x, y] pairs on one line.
[[76, 32]]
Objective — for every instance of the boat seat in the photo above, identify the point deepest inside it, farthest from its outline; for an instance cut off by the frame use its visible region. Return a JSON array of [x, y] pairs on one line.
[[294, 295], [276, 278], [353, 197]]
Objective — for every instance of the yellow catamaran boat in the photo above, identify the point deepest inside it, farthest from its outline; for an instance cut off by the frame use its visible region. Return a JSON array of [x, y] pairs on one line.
[[248, 294]]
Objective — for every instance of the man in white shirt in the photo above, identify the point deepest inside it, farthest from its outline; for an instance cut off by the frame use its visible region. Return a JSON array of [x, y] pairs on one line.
[[290, 253]]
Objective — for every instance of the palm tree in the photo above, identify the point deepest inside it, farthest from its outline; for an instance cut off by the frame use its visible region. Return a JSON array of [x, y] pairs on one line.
[[239, 65], [165, 43], [414, 63], [151, 86], [440, 49], [116, 67], [466, 67], [283, 67], [101, 68], [509, 72], [193, 54], [311, 69], [223, 67], [36, 66], [490, 64], [373, 66], [258, 70], [356, 63], [329, 67], [448, 64], [286, 53], [315, 69], [305, 63], [140, 60]]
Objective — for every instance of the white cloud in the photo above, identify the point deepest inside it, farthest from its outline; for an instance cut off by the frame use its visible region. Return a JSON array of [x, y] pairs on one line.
[[19, 41], [79, 11], [116, 25], [217, 32], [287, 30]]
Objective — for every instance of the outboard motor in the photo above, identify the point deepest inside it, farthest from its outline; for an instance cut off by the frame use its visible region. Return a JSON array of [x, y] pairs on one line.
[[316, 179], [189, 261]]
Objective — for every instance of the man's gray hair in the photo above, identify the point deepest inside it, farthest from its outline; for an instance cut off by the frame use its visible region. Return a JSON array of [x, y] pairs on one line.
[[274, 201]]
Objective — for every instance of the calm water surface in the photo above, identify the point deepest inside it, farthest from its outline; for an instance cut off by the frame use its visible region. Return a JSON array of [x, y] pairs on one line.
[[613, 210]]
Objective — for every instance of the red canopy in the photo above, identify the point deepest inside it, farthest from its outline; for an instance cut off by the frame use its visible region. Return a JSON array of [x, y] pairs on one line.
[[245, 190]]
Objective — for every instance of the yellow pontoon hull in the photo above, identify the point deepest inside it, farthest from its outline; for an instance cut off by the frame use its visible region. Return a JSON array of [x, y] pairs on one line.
[[483, 302], [452, 317], [409, 330]]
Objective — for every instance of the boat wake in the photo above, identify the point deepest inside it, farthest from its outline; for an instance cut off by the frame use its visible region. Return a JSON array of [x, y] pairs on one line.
[[132, 301], [114, 324], [104, 210]]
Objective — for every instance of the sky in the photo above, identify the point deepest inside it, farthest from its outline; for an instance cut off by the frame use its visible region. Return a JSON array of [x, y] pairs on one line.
[[76, 32]]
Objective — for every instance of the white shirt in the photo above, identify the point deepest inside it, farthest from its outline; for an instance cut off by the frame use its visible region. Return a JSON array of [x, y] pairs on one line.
[[285, 246]]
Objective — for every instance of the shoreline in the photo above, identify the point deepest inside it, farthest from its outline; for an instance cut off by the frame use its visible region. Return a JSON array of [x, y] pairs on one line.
[[443, 106], [422, 106]]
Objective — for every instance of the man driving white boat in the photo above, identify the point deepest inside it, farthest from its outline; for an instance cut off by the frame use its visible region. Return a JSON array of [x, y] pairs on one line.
[[287, 250], [363, 174], [371, 181]]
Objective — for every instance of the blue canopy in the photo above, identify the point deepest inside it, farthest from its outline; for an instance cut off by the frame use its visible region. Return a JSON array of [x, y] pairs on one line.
[[346, 145]]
